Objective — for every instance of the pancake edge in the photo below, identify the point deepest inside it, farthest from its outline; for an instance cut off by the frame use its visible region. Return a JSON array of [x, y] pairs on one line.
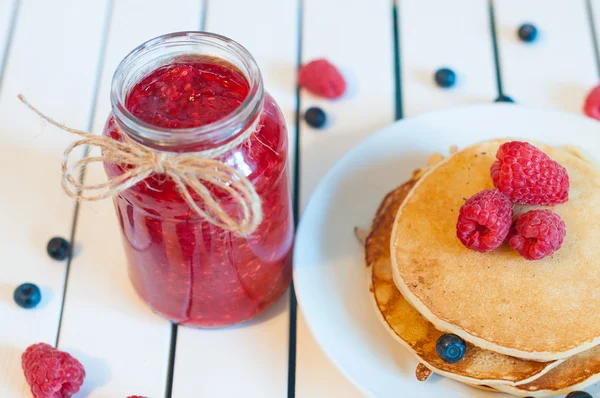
[[462, 379], [550, 393]]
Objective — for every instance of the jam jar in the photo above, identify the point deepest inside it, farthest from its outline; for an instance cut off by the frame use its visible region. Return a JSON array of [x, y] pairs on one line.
[[182, 94]]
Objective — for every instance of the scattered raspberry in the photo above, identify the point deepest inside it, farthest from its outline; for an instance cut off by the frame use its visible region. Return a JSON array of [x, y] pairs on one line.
[[51, 373], [135, 396], [537, 234], [484, 220], [322, 78], [528, 176], [591, 106]]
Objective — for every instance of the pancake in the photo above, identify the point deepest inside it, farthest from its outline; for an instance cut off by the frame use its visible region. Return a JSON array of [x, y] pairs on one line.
[[541, 310], [484, 388], [576, 373], [417, 334]]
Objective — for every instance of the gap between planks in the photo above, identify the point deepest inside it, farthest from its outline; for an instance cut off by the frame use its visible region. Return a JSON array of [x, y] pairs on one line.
[[399, 110], [293, 325], [494, 34], [9, 39], [593, 31]]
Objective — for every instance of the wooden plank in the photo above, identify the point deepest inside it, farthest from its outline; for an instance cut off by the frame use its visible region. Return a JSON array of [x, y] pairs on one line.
[[454, 34], [52, 59], [250, 360], [558, 69], [124, 346], [369, 104], [357, 37]]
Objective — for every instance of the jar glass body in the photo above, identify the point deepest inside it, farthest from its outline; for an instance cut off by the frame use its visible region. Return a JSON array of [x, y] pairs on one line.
[[186, 268]]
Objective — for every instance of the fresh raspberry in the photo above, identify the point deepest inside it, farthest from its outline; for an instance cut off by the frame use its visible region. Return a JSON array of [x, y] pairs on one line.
[[322, 78], [528, 176], [484, 220], [51, 373], [537, 234], [591, 106], [135, 396]]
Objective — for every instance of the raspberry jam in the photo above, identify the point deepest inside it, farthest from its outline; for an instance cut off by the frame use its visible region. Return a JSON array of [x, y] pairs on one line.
[[188, 94], [185, 268]]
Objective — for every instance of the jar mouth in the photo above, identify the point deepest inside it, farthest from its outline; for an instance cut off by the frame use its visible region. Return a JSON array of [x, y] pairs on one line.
[[164, 50]]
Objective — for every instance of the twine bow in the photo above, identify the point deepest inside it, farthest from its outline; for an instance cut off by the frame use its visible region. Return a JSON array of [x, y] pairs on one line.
[[189, 171]]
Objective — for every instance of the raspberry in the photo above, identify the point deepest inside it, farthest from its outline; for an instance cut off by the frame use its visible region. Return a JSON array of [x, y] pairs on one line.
[[528, 176], [320, 77], [484, 220], [537, 234], [51, 373], [591, 107]]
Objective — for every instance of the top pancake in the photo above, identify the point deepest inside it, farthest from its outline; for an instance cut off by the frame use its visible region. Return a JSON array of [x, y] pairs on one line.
[[541, 310]]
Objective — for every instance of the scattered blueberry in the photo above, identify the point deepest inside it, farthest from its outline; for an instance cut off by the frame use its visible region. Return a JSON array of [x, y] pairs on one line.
[[579, 394], [58, 248], [315, 117], [504, 98], [528, 32], [27, 295], [445, 77], [450, 348]]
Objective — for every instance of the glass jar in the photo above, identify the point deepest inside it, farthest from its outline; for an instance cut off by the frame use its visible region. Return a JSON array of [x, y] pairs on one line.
[[185, 93]]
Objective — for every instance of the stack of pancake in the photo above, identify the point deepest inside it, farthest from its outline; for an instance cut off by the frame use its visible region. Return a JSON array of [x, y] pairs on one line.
[[531, 328]]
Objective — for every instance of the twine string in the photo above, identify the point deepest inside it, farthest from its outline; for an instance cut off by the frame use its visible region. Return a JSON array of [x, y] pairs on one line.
[[189, 171]]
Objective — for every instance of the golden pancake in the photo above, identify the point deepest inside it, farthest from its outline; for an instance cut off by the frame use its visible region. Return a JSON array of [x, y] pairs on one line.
[[575, 373], [541, 310], [419, 335], [484, 388]]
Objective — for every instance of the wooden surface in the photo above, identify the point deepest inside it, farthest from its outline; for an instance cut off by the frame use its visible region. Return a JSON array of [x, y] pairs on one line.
[[62, 53]]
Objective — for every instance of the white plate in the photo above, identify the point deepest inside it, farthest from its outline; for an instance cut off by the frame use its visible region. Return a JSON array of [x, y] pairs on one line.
[[329, 274]]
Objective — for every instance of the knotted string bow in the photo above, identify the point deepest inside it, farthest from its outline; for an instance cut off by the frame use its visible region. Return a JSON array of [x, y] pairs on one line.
[[189, 171]]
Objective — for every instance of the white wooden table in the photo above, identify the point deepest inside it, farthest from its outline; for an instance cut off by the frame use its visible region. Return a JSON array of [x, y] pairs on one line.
[[61, 54]]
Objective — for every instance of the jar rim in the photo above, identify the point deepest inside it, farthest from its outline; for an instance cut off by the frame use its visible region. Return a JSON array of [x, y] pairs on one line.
[[219, 131]]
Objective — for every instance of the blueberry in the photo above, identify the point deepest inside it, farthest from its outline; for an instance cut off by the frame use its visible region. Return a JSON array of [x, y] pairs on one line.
[[579, 394], [528, 32], [445, 77], [27, 295], [315, 117], [58, 248], [504, 98], [450, 348]]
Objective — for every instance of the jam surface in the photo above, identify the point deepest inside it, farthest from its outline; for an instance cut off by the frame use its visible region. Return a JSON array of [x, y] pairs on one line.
[[185, 268], [185, 95]]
